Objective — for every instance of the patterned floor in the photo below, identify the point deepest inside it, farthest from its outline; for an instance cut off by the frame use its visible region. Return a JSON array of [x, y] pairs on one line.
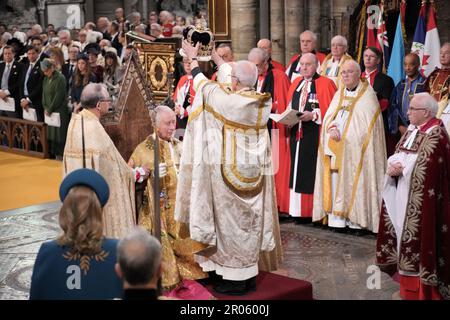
[[336, 264]]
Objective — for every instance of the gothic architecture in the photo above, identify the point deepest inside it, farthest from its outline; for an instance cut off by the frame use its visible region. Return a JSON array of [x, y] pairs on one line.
[[242, 22]]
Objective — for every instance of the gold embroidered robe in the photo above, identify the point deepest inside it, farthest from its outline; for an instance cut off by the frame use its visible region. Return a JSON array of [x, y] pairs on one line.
[[101, 155], [225, 187], [360, 160], [177, 248]]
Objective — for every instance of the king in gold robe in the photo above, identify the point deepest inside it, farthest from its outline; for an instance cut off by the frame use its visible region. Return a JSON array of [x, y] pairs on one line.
[[101, 155], [350, 172], [177, 248]]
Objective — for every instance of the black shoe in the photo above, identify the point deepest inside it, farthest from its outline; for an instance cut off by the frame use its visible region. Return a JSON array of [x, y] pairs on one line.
[[301, 220], [358, 232], [284, 218], [213, 279], [233, 288], [338, 230]]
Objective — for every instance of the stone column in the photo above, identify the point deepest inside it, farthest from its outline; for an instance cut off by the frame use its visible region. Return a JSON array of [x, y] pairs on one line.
[[294, 25], [277, 30], [144, 11], [325, 21], [89, 10], [41, 12], [314, 24], [264, 19], [243, 26]]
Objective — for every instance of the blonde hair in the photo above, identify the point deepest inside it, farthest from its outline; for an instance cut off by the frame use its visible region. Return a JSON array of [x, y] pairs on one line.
[[81, 220], [59, 57]]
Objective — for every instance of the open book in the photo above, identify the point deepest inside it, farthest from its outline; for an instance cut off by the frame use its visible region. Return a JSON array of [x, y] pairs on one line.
[[289, 117]]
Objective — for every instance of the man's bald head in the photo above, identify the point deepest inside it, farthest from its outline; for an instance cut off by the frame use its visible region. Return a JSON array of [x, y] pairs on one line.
[[260, 58], [308, 65], [266, 45], [225, 52], [160, 112], [351, 73], [444, 55], [308, 41], [309, 57], [165, 122], [92, 94], [246, 74]]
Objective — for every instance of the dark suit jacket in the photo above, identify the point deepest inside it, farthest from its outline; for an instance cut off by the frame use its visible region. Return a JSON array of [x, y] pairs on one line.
[[106, 35], [117, 45], [14, 86], [34, 86], [65, 70], [383, 85]]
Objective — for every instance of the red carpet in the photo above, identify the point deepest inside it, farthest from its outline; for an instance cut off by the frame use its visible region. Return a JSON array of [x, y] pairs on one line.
[[270, 286]]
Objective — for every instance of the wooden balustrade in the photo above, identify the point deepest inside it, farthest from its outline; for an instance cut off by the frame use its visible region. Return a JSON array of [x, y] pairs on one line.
[[23, 137]]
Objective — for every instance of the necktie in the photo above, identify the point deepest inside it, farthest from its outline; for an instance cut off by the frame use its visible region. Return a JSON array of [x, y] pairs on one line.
[[5, 76], [70, 75], [25, 87]]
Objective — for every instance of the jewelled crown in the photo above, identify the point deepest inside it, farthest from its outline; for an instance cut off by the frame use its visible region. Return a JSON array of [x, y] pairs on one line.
[[200, 33]]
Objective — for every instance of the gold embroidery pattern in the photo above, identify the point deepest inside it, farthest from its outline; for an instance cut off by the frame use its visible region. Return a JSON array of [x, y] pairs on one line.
[[444, 290], [416, 195], [256, 182], [389, 249], [85, 260], [429, 278]]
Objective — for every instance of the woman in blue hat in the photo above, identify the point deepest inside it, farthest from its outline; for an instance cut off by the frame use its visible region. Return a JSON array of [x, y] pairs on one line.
[[79, 264]]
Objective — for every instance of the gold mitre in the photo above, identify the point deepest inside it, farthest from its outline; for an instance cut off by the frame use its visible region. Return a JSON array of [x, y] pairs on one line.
[[200, 33]]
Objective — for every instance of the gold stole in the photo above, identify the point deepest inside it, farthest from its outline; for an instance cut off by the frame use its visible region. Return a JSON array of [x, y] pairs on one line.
[[337, 147]]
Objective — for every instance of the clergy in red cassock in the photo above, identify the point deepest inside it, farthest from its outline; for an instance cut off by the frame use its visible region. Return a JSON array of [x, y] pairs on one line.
[[311, 94], [438, 83], [276, 83], [266, 45], [414, 236], [308, 41]]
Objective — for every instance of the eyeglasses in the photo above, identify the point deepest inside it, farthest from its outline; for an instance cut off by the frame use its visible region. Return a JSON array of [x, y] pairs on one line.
[[105, 100], [415, 109]]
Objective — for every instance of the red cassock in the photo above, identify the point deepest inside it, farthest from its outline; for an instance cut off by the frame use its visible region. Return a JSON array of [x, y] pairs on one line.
[[305, 167], [277, 65], [277, 84]]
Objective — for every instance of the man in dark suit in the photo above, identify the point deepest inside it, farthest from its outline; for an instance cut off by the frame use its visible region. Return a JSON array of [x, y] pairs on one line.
[[32, 84], [102, 26], [115, 37], [383, 85], [11, 73], [68, 69]]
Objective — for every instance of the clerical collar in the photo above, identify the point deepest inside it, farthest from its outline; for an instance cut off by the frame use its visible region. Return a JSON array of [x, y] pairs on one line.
[[351, 90]]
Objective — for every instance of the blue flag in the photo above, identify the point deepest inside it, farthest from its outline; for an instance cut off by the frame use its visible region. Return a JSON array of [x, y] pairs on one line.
[[396, 70], [418, 45]]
